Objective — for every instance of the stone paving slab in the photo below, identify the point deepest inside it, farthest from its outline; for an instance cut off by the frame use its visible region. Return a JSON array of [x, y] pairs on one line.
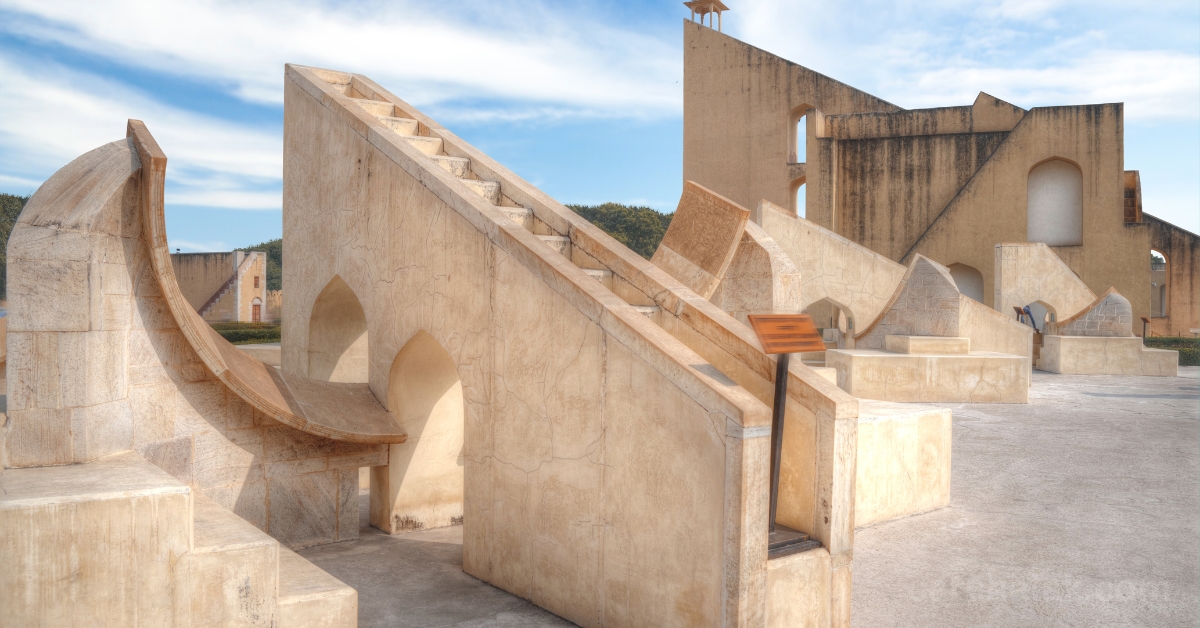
[[1079, 509]]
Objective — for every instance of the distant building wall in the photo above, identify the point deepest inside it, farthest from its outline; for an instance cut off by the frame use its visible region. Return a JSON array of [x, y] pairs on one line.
[[200, 275], [274, 305], [1182, 250]]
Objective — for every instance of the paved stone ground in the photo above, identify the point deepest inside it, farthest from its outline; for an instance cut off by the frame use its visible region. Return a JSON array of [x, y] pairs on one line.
[[1079, 509], [416, 579]]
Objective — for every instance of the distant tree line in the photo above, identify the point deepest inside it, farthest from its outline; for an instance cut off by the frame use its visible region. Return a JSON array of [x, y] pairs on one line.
[[10, 207], [639, 228]]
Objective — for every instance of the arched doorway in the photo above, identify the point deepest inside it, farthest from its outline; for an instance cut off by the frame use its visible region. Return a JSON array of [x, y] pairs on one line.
[[968, 279], [337, 336], [256, 310], [1160, 280], [834, 320], [422, 486], [1055, 203]]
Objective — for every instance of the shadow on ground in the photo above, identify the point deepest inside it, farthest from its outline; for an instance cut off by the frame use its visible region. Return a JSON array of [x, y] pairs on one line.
[[416, 579]]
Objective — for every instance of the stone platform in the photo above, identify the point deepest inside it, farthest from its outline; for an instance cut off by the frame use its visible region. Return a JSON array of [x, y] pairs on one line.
[[1090, 355], [934, 369], [903, 460]]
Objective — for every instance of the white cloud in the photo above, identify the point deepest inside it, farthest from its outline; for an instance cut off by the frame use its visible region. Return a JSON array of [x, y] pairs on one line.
[[49, 115], [1031, 52], [426, 53]]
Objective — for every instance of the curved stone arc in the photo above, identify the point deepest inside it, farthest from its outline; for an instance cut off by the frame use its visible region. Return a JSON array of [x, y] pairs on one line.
[[344, 412]]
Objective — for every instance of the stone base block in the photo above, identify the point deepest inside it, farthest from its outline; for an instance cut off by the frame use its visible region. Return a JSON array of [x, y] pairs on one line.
[[903, 461], [928, 345], [311, 598], [233, 570], [1091, 355], [978, 377], [101, 543], [798, 588]]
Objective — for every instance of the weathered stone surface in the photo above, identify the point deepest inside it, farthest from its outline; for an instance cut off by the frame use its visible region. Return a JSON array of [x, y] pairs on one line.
[[798, 588], [1099, 355], [101, 541], [979, 377], [903, 461], [1108, 316]]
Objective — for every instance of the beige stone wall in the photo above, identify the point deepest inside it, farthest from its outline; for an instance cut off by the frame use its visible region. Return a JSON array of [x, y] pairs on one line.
[[98, 365], [200, 275], [1182, 249], [274, 306], [858, 280], [993, 204], [738, 102], [760, 279], [1027, 272], [605, 478]]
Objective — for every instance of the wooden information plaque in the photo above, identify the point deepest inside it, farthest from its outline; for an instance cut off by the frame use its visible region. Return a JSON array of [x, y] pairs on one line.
[[786, 333]]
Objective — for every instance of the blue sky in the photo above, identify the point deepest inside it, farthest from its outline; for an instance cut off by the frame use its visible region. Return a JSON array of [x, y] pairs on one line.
[[582, 99]]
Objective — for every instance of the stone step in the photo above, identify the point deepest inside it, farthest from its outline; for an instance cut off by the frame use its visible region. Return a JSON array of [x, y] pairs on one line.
[[603, 276], [233, 569], [562, 244], [101, 542], [489, 190], [403, 126], [457, 166], [521, 215], [376, 108], [311, 598], [647, 310], [427, 145], [928, 345]]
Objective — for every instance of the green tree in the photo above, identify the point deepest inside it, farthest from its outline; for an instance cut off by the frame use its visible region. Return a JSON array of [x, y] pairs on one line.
[[274, 251], [10, 208], [639, 228]]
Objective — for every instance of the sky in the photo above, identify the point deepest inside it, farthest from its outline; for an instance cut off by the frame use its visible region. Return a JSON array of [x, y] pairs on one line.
[[582, 99]]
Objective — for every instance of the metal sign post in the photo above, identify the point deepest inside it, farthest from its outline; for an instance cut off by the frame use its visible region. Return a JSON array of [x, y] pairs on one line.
[[783, 335]]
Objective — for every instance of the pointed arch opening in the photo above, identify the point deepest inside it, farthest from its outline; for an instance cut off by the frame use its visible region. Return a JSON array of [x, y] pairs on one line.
[[337, 336], [422, 485], [798, 133], [1055, 203], [968, 279], [799, 196], [1160, 288]]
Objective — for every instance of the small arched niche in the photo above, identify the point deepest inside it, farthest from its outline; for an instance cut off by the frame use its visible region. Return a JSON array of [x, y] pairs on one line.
[[422, 486], [337, 336], [799, 196], [968, 279], [1160, 280], [1055, 204], [828, 313], [798, 134]]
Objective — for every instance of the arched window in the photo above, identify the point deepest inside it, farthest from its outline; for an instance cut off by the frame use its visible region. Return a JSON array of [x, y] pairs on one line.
[[1160, 280], [422, 485], [798, 134], [1055, 204], [337, 336], [799, 196], [968, 279]]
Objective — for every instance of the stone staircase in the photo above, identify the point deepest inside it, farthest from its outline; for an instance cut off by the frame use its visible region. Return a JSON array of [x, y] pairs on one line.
[[433, 147], [122, 540]]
